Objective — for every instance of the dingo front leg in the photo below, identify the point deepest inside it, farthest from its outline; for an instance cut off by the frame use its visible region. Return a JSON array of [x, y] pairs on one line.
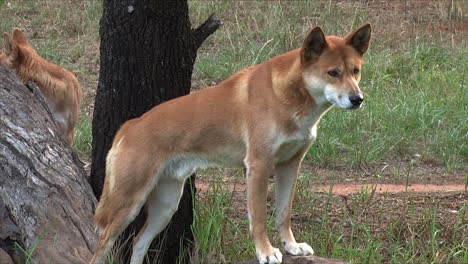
[[257, 179], [285, 178]]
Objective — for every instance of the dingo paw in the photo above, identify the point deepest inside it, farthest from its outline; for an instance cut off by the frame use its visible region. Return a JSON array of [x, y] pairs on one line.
[[272, 257], [298, 249]]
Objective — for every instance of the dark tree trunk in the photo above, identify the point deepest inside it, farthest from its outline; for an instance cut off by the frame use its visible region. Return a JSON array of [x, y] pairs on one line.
[[147, 54], [46, 202]]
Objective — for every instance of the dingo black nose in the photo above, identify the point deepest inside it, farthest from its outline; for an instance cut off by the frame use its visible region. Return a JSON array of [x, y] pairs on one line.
[[356, 100]]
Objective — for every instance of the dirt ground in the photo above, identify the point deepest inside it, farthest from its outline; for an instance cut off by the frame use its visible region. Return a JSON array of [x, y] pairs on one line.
[[414, 176]]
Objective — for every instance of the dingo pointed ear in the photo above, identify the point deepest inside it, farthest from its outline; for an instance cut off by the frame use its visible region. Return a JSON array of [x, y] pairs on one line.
[[11, 48], [314, 44], [360, 39], [19, 36]]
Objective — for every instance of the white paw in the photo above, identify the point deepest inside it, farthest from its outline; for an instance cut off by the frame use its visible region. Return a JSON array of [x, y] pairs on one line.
[[273, 257], [298, 249]]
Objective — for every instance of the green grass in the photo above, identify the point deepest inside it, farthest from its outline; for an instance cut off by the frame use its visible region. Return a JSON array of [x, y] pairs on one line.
[[27, 255], [415, 86], [83, 137], [214, 227], [415, 91], [415, 103]]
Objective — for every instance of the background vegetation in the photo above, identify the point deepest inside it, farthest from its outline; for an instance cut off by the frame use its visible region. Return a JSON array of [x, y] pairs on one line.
[[412, 129]]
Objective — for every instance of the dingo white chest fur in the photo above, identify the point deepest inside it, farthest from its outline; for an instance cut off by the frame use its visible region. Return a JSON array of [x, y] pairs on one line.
[[264, 118]]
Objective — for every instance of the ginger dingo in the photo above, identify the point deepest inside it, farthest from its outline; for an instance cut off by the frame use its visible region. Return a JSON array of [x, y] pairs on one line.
[[264, 118], [59, 86]]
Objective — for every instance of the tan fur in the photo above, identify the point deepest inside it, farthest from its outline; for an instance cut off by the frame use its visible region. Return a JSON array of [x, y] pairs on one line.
[[263, 118], [59, 86]]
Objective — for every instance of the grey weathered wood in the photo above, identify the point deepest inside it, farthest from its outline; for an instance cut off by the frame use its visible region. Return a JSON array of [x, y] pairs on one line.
[[43, 186], [302, 260]]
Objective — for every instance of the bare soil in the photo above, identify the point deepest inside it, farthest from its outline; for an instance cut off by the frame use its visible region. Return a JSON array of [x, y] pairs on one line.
[[350, 189], [386, 177]]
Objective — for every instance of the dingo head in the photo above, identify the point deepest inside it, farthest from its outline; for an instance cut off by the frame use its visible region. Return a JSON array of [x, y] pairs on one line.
[[332, 66], [16, 50]]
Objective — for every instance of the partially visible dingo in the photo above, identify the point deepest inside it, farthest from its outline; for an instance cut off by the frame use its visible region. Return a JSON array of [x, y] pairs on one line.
[[59, 86], [264, 118]]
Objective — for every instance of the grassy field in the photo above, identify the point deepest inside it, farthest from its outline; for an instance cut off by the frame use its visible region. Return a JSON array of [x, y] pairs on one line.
[[413, 127]]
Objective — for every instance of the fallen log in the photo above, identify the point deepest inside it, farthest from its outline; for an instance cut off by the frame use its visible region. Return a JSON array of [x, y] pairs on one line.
[[43, 187]]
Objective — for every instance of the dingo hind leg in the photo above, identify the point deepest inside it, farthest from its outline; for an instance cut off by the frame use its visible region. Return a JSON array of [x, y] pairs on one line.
[[121, 200], [70, 136], [112, 220], [162, 203]]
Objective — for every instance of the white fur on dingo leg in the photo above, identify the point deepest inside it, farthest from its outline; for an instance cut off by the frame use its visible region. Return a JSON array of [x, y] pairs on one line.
[[299, 249], [273, 258]]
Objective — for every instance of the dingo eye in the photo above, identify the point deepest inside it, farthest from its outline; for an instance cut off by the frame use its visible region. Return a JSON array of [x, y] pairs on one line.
[[333, 73], [356, 71]]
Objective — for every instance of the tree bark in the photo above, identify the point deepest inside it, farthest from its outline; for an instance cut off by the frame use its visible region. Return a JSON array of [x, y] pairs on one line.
[[46, 203], [302, 260], [147, 54]]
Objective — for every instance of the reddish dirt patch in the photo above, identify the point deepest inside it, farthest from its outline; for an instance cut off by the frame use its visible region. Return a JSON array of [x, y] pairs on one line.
[[388, 177], [349, 189], [344, 189]]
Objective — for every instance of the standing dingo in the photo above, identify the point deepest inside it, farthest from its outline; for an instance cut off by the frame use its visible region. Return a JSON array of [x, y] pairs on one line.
[[264, 118]]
